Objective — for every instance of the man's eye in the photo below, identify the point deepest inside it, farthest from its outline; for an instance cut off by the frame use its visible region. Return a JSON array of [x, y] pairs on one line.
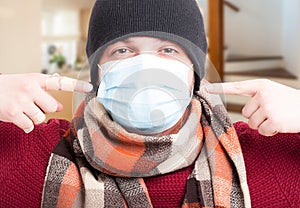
[[169, 50], [122, 51]]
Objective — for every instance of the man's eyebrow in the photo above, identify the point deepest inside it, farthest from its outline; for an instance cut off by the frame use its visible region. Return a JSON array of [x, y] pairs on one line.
[[127, 40]]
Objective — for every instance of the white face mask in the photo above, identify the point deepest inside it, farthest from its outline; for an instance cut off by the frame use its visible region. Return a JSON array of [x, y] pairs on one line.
[[145, 94]]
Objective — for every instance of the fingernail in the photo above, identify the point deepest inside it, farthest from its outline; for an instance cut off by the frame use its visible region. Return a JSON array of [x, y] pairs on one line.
[[59, 107], [28, 130], [41, 118]]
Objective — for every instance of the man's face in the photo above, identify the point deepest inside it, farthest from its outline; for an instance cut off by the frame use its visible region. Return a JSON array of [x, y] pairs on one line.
[[140, 45]]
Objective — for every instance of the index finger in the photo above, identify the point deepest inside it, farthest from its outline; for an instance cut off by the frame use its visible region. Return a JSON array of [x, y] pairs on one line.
[[56, 82], [242, 88]]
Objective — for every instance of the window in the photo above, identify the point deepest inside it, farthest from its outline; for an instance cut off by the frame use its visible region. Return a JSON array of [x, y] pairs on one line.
[[60, 31]]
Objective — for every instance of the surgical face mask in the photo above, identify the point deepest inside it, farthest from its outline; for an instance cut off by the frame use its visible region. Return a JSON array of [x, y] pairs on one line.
[[145, 94]]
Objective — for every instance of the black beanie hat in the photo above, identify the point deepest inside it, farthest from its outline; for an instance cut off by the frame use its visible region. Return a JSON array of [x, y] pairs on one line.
[[179, 21]]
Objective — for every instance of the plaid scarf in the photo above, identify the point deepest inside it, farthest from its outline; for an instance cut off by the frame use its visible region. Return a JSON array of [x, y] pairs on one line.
[[99, 164]]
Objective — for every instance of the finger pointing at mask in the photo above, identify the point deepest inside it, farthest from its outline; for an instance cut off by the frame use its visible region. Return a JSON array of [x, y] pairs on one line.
[[24, 100], [273, 107]]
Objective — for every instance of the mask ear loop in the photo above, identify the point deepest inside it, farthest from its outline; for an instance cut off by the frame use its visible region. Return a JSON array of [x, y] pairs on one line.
[[99, 74]]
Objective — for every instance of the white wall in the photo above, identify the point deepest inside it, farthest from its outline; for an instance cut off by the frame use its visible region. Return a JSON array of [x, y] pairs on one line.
[[67, 4], [20, 39], [203, 4], [291, 33], [256, 29]]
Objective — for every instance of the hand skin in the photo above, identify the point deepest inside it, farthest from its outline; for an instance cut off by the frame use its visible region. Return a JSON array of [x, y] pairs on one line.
[[273, 107], [24, 101]]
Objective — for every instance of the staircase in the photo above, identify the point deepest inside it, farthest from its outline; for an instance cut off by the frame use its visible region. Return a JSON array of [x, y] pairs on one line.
[[244, 67]]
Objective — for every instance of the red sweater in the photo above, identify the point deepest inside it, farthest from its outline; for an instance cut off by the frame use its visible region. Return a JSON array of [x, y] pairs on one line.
[[272, 164]]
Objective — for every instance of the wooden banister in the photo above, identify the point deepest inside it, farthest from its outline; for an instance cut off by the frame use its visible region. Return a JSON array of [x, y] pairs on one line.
[[216, 35], [231, 6]]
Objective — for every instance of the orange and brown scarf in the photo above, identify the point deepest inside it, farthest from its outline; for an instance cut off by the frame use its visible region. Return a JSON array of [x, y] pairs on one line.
[[100, 164]]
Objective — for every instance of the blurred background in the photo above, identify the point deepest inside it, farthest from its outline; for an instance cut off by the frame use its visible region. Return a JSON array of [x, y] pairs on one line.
[[247, 39], [45, 36], [37, 33], [253, 39]]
